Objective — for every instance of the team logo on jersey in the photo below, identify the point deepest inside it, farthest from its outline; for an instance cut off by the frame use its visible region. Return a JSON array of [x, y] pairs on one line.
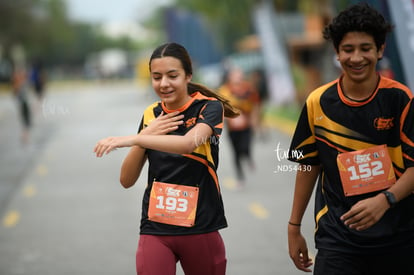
[[190, 122], [381, 123]]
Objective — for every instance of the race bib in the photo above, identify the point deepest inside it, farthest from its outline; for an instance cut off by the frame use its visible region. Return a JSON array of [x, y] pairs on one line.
[[173, 204], [366, 170]]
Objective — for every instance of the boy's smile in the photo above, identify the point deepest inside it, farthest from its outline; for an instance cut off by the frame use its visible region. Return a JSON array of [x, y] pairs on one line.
[[358, 56]]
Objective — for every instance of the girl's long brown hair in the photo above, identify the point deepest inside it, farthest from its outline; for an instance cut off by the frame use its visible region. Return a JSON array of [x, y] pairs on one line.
[[177, 51]]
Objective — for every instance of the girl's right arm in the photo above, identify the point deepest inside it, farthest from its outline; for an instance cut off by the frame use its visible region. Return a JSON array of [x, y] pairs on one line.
[[132, 166]]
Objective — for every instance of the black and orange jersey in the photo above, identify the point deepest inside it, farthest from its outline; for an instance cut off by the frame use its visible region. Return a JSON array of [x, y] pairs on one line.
[[331, 124], [197, 169]]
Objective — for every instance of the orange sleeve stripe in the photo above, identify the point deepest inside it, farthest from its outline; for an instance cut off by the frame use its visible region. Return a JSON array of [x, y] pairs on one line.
[[219, 126], [390, 83], [406, 140], [397, 173], [330, 144], [408, 157], [210, 170]]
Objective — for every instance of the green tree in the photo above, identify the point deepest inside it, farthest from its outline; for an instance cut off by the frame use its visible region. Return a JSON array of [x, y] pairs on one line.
[[55, 35], [44, 29], [17, 21]]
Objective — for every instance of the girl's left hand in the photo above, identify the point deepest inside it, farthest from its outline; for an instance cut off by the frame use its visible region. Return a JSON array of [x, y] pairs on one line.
[[106, 145]]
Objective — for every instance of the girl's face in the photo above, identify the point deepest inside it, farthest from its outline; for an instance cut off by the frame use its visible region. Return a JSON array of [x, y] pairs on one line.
[[358, 56], [169, 81]]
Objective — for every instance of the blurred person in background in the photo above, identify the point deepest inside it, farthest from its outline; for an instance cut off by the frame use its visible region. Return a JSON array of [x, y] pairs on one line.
[[243, 96], [20, 91], [355, 138], [258, 80], [182, 207], [38, 81]]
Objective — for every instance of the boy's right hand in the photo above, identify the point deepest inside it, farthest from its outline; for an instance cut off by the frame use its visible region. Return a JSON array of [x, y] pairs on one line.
[[298, 250]]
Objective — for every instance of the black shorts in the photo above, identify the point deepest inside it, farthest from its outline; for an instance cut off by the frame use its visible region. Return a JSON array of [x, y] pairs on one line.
[[339, 263]]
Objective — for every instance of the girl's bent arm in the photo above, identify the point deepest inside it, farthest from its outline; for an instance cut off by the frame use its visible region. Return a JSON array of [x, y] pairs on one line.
[[166, 143], [132, 166], [177, 144]]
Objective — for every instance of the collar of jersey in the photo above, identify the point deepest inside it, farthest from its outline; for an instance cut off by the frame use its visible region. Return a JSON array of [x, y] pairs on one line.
[[194, 96], [356, 103]]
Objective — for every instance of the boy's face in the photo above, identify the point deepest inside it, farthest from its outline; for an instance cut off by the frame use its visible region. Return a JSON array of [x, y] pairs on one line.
[[358, 56]]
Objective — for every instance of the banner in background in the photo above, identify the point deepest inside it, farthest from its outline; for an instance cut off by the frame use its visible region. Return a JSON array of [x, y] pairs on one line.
[[402, 14], [278, 73]]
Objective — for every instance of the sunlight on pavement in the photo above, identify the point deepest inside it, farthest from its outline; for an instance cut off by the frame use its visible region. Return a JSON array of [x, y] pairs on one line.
[[258, 210], [11, 219], [29, 191], [230, 183], [41, 170]]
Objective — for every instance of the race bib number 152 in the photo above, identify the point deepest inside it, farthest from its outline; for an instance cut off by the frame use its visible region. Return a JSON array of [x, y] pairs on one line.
[[366, 170]]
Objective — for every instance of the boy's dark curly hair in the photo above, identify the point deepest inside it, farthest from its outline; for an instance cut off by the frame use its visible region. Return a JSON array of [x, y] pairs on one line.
[[358, 18]]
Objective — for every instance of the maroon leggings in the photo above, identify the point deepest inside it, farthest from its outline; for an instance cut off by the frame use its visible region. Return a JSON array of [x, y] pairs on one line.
[[200, 254]]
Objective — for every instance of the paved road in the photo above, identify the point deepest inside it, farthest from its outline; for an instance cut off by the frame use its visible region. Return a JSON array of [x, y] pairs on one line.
[[63, 211]]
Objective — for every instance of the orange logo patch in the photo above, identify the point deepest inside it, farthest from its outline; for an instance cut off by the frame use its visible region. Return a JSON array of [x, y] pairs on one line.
[[190, 122], [381, 123]]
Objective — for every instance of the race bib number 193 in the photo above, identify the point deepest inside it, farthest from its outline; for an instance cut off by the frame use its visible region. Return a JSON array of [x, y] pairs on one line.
[[173, 204], [366, 170]]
